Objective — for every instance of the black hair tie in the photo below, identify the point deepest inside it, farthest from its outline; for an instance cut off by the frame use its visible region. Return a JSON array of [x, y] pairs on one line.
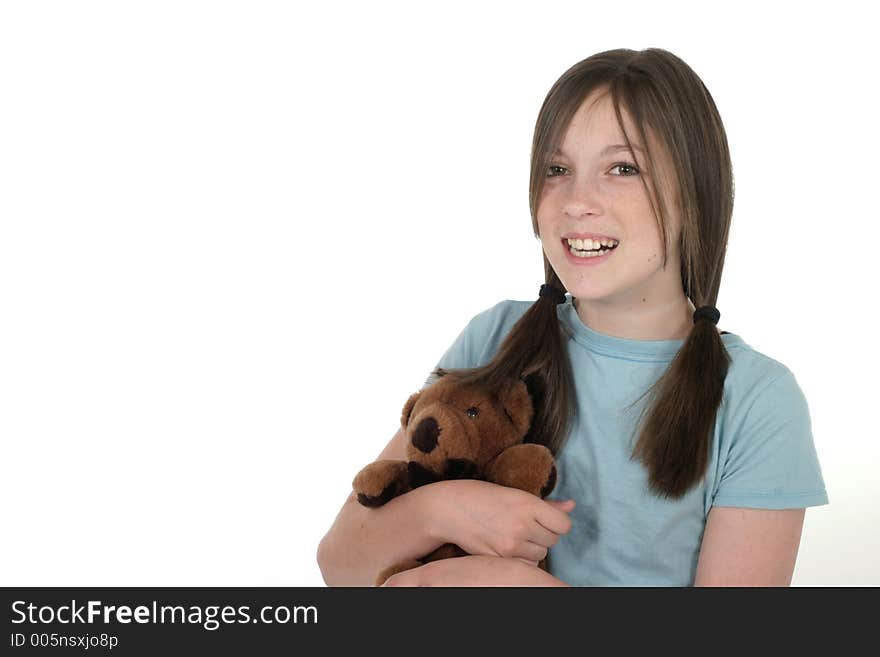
[[707, 312], [552, 292]]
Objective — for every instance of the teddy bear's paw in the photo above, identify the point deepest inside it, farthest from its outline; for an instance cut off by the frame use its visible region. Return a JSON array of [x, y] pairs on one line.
[[396, 568], [529, 467], [380, 481], [551, 482], [388, 493]]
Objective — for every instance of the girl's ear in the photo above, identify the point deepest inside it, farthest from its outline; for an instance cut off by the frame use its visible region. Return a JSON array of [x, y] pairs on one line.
[[407, 408]]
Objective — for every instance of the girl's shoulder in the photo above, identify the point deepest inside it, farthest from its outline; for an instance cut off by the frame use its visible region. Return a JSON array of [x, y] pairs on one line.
[[751, 365]]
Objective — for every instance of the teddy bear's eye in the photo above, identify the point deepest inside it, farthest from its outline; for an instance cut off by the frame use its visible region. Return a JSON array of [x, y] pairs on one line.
[[472, 411]]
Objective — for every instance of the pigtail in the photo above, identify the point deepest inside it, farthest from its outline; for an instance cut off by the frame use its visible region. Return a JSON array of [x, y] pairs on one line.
[[675, 440]]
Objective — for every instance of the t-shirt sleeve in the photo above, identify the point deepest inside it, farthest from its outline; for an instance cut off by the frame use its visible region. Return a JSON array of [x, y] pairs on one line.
[[772, 461], [459, 354]]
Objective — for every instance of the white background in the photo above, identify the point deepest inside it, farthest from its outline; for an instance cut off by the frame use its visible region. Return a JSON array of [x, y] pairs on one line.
[[236, 236]]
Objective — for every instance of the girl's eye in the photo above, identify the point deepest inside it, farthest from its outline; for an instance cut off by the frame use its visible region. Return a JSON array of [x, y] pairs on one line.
[[624, 165], [627, 166]]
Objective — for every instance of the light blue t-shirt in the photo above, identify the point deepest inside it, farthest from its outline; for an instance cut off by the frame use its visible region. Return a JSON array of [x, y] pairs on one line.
[[762, 453]]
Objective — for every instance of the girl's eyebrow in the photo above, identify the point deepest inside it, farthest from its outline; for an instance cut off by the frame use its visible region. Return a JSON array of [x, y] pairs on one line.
[[613, 148]]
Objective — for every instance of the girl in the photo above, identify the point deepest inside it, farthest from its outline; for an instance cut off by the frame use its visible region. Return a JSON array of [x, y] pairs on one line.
[[684, 456]]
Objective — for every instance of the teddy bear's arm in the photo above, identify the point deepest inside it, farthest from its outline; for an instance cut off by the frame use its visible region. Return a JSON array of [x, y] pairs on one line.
[[381, 481], [529, 467]]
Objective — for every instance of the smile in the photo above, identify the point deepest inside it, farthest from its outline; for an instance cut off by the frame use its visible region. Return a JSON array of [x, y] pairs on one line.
[[587, 257]]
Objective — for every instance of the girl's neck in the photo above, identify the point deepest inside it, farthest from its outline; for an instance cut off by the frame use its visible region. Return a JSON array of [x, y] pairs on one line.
[[668, 321]]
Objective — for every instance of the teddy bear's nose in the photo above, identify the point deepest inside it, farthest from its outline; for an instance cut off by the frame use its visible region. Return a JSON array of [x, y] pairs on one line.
[[425, 436]]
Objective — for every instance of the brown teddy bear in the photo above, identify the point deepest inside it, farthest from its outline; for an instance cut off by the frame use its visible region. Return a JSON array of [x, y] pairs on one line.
[[457, 432]]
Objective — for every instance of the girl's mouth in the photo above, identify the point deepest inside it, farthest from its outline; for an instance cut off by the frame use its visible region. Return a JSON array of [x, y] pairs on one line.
[[580, 257]]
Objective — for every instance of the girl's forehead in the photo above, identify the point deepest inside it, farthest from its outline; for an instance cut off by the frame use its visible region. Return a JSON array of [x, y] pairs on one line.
[[606, 140], [595, 125]]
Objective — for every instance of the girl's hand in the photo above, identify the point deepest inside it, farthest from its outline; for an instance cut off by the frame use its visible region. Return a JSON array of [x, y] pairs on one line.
[[474, 570], [484, 518]]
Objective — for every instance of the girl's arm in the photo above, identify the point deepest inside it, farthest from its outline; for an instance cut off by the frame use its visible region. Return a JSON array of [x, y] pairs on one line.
[[362, 541], [749, 547], [475, 570], [480, 517]]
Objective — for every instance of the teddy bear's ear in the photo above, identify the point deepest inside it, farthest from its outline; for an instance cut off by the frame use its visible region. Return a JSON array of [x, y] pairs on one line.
[[407, 408], [517, 403]]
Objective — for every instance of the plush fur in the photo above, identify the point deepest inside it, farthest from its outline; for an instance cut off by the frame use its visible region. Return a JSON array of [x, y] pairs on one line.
[[455, 432]]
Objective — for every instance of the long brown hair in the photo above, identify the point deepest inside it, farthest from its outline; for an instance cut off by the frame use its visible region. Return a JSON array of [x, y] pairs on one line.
[[660, 91]]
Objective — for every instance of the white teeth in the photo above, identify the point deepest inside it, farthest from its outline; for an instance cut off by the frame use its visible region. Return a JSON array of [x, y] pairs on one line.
[[591, 244], [586, 254]]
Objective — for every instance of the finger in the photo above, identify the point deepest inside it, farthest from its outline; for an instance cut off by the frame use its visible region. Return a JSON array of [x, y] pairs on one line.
[[532, 551], [542, 536], [554, 520], [401, 579]]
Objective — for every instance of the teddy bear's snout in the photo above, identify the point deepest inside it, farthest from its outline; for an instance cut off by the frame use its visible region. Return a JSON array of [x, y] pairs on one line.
[[425, 436]]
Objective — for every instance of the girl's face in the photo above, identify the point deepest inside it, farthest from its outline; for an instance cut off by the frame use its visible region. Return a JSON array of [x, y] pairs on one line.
[[593, 188]]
